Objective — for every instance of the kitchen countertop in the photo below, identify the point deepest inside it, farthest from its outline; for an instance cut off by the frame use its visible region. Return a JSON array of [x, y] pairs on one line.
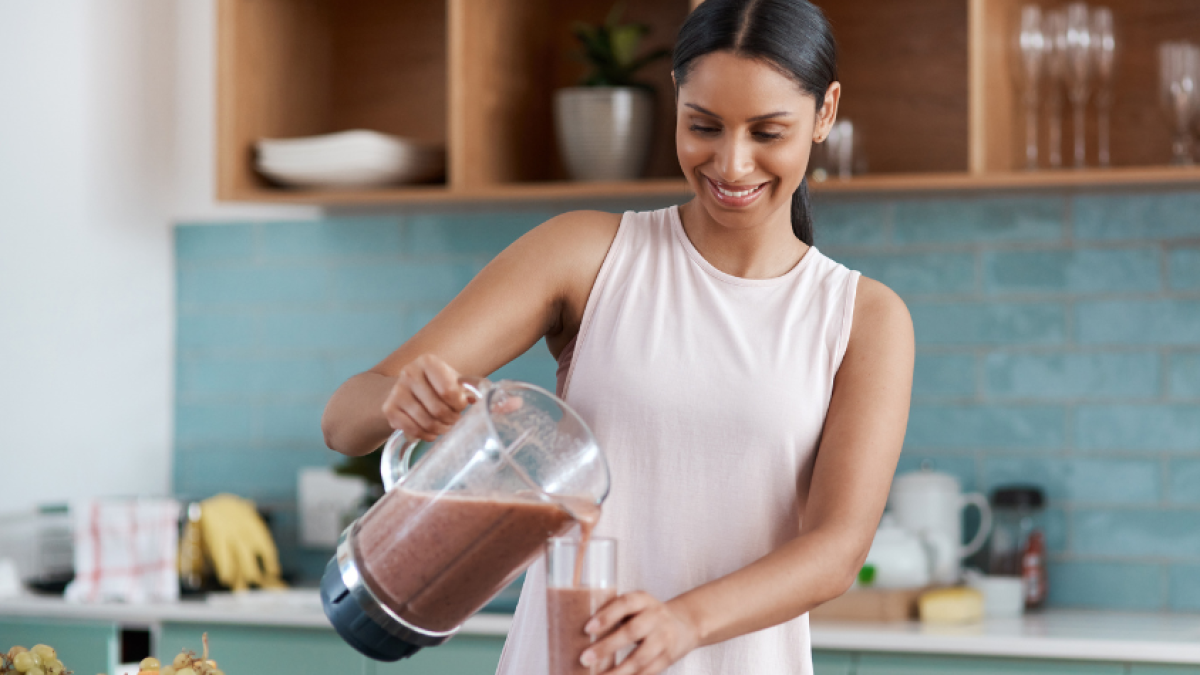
[[1055, 634]]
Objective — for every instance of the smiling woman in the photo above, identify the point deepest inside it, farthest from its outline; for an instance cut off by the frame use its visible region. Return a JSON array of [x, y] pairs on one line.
[[750, 393]]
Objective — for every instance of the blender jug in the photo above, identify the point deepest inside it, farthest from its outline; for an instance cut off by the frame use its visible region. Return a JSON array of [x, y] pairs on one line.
[[455, 528]]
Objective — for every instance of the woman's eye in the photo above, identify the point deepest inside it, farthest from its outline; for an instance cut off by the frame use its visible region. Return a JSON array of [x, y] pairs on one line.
[[766, 135], [700, 129]]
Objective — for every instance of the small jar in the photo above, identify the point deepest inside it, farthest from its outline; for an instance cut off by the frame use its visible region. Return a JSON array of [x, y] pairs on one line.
[[1016, 514]]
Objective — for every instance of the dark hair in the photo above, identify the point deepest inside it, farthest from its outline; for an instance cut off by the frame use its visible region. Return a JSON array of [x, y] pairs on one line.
[[792, 36]]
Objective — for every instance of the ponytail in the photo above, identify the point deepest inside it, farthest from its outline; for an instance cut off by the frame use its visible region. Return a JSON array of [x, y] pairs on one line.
[[802, 223]]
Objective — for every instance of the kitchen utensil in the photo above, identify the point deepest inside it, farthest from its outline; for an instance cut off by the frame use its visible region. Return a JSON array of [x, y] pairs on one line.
[[1179, 70], [575, 590], [1003, 596], [930, 504], [348, 159], [1079, 72], [1031, 49], [1055, 28], [901, 558], [1104, 50], [455, 528]]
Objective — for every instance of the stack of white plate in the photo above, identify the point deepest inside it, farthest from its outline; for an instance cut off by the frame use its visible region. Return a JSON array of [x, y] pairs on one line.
[[349, 159]]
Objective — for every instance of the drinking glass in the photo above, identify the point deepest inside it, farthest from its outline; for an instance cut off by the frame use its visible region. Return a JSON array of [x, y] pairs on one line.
[[1055, 28], [1104, 46], [1032, 46], [575, 590], [1079, 70], [1179, 67]]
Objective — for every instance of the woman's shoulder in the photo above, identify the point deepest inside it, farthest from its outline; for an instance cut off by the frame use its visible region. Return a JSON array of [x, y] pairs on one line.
[[878, 310]]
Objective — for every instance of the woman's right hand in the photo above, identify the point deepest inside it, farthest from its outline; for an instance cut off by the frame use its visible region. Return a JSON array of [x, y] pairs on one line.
[[427, 398]]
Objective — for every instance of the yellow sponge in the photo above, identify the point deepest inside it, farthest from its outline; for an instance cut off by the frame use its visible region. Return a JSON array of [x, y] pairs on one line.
[[951, 605]]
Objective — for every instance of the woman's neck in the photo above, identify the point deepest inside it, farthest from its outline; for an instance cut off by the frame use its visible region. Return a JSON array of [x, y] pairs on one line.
[[764, 251]]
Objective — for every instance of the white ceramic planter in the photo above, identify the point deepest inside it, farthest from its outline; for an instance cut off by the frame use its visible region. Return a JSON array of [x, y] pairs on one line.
[[604, 132]]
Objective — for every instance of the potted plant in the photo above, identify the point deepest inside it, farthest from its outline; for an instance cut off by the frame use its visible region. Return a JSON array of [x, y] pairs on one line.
[[604, 124]]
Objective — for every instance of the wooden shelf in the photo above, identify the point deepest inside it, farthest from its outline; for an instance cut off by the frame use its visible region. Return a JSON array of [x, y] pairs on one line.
[[928, 83]]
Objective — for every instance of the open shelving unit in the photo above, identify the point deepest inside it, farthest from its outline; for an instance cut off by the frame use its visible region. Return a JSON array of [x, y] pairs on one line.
[[927, 81]]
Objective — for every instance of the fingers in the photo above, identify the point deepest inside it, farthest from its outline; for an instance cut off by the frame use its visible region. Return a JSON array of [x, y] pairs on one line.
[[622, 622], [617, 610], [426, 399]]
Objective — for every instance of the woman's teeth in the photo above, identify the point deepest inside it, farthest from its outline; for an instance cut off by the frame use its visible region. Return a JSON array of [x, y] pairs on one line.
[[731, 193]]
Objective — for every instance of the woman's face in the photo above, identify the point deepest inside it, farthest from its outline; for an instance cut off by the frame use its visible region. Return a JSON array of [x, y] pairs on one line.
[[743, 134]]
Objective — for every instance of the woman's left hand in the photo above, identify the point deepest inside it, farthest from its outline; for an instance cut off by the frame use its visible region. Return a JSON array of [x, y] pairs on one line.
[[661, 633]]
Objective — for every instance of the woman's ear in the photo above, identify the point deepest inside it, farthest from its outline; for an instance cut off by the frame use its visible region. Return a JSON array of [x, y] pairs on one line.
[[827, 113]]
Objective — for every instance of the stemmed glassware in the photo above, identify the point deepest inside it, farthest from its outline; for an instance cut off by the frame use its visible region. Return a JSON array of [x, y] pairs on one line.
[[1055, 29], [1032, 48], [1179, 68], [1104, 47], [1079, 71]]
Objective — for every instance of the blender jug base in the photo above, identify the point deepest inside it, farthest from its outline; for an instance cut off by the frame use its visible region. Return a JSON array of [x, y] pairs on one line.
[[354, 625]]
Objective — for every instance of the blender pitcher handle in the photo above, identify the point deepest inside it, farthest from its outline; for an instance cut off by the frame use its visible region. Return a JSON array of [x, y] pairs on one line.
[[393, 469]]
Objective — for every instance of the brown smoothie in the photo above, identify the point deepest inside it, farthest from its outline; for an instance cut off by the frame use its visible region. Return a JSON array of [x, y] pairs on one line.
[[436, 560], [567, 611]]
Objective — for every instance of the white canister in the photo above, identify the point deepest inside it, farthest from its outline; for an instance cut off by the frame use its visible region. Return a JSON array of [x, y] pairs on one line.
[[931, 503]]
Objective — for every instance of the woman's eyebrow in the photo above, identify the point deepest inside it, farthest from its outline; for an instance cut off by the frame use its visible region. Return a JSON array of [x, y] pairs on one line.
[[756, 118]]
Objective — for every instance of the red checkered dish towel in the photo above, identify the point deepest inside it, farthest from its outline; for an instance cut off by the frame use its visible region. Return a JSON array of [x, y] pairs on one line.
[[125, 551]]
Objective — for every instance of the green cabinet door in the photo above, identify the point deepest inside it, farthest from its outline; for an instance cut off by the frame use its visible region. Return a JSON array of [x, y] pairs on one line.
[[85, 647], [827, 662], [462, 655], [259, 650], [918, 664], [1156, 669]]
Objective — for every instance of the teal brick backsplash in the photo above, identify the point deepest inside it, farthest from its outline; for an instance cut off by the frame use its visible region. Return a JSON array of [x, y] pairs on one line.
[[1185, 269], [1058, 343], [1185, 588], [1103, 585], [1074, 479], [1073, 271], [1005, 219], [1062, 376], [1136, 216], [1139, 322], [1185, 375], [995, 323]]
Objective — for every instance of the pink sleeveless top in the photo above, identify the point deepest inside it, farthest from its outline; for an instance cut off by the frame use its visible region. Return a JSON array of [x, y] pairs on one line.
[[708, 394]]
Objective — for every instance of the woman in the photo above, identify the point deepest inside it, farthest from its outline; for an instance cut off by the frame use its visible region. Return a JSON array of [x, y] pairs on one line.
[[750, 393]]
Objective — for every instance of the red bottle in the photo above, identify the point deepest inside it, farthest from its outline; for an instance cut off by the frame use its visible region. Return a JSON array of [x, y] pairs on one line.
[[1033, 570]]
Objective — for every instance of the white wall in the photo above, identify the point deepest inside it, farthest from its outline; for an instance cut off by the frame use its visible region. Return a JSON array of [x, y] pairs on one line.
[[106, 131]]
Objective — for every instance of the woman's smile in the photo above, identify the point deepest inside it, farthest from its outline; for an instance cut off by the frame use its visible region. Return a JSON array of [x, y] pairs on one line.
[[735, 196]]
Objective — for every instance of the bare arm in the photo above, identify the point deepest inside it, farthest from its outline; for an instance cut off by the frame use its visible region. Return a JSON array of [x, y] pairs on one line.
[[535, 287], [863, 435]]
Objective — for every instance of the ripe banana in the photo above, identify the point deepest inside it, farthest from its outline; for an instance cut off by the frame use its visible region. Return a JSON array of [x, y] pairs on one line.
[[238, 544]]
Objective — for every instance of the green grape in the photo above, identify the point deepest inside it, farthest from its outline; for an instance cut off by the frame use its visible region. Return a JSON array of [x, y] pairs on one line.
[[167, 670], [218, 672], [37, 659], [53, 667], [15, 650], [182, 660], [45, 651], [23, 662], [36, 671], [185, 671], [150, 663]]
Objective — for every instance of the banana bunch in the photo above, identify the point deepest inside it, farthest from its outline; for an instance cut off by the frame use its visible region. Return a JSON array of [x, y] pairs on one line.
[[237, 543]]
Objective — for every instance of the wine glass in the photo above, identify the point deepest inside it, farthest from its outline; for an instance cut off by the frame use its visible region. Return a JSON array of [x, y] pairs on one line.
[[1032, 47], [1079, 70], [1179, 68], [1054, 27], [1104, 46]]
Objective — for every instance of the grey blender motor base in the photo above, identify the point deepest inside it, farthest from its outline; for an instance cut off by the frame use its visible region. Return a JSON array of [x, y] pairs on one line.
[[361, 620]]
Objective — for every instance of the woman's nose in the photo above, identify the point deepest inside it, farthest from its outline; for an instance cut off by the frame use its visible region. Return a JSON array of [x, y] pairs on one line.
[[735, 160]]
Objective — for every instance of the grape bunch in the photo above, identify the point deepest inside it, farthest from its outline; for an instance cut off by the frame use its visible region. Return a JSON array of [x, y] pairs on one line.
[[41, 660], [185, 663]]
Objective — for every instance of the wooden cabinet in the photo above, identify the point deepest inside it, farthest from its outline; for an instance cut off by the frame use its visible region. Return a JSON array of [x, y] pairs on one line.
[[928, 82]]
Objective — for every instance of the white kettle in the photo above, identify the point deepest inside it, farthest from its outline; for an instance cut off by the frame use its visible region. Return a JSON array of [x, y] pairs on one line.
[[901, 559], [930, 504]]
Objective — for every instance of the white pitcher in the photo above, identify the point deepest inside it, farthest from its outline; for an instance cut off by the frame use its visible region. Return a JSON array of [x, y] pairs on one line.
[[930, 504]]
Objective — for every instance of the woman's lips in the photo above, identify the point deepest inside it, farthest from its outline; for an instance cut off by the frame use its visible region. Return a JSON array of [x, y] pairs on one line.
[[734, 198]]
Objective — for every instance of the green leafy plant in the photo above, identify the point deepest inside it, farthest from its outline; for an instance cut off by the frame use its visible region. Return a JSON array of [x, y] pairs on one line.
[[611, 50]]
